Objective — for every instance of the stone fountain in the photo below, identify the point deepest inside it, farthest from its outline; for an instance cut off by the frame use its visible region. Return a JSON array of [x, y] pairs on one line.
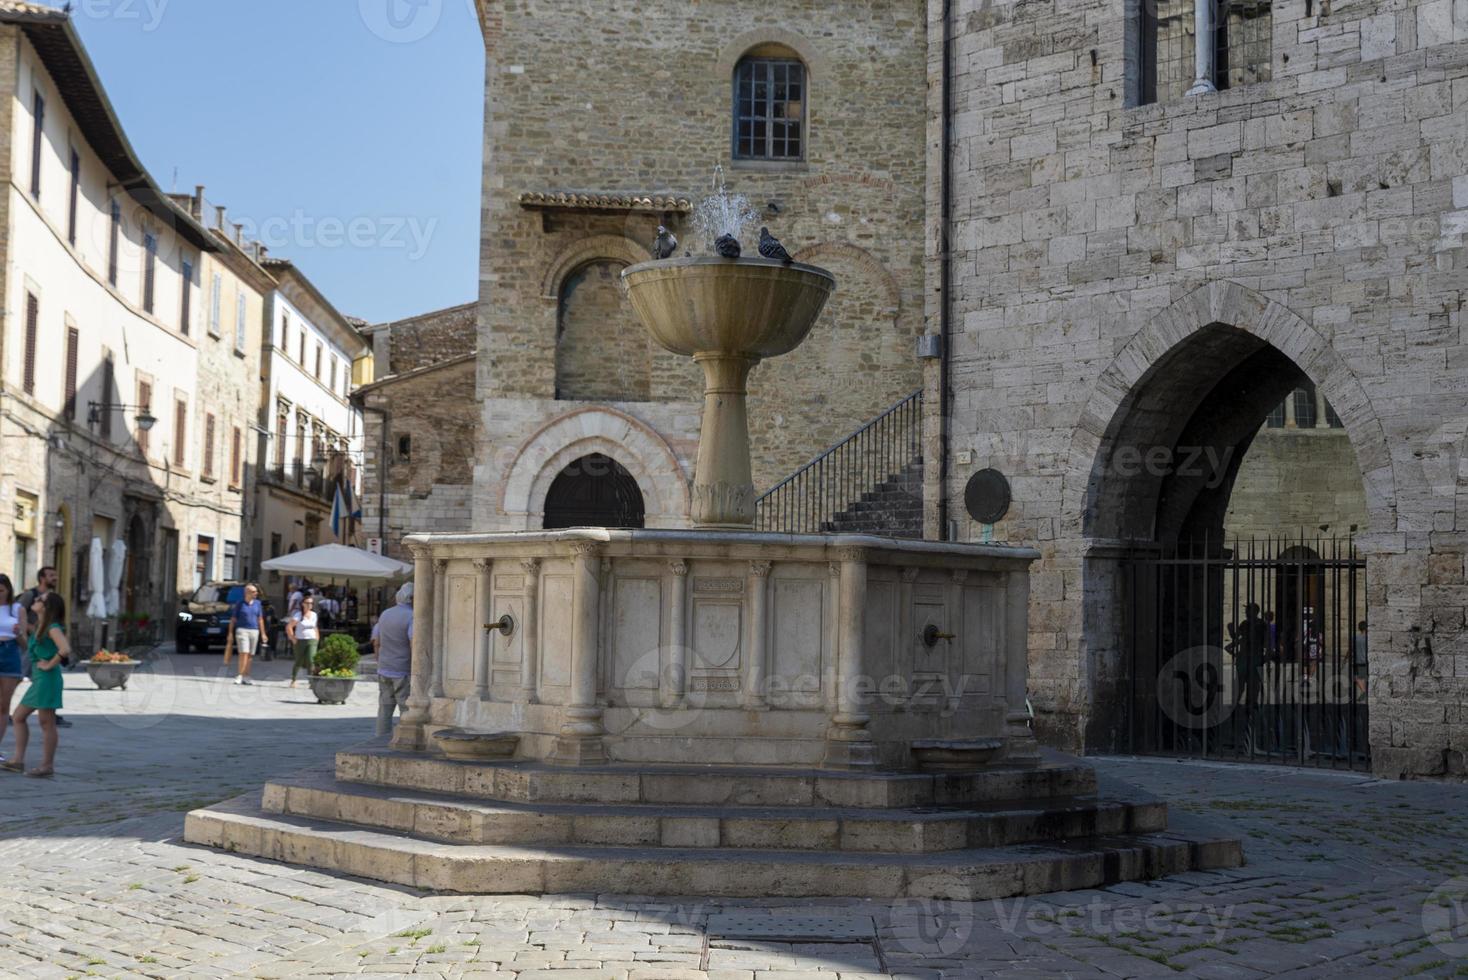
[[648, 710]]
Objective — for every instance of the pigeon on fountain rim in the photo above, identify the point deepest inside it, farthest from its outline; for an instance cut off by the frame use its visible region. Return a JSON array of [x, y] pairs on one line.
[[770, 247]]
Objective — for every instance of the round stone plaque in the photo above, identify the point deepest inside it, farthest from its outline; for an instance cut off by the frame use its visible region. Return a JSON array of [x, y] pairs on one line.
[[987, 496]]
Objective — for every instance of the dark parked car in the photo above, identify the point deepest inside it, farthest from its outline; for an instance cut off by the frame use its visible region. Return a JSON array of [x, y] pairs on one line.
[[203, 622]]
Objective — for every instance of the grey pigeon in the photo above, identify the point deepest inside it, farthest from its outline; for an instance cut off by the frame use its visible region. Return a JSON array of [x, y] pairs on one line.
[[727, 246], [666, 243], [770, 247]]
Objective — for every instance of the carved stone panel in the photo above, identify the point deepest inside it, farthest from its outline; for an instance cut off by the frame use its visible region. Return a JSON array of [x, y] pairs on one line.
[[461, 642], [555, 630], [637, 617], [983, 638], [798, 630]]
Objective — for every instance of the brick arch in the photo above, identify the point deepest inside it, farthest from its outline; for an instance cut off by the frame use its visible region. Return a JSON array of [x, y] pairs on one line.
[[1132, 375], [730, 54], [616, 248], [640, 449], [863, 260]]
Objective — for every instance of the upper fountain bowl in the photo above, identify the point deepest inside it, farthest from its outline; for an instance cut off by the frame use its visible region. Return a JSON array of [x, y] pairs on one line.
[[750, 307]]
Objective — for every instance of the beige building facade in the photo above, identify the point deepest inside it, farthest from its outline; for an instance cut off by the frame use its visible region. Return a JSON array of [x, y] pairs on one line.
[[109, 373]]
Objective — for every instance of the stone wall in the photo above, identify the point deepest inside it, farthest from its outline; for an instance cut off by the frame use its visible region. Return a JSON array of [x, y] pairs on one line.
[[419, 341], [429, 477], [1295, 482], [854, 205], [1319, 217]]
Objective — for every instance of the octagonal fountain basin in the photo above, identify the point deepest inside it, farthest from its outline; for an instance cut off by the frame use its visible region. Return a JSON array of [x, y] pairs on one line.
[[752, 307]]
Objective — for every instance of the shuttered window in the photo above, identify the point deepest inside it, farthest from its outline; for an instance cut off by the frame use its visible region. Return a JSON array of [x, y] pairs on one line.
[[38, 131], [282, 420], [114, 242], [235, 445], [216, 300], [150, 270], [32, 318], [76, 187], [145, 399], [186, 307], [209, 445], [180, 431], [73, 341], [109, 385], [240, 334]]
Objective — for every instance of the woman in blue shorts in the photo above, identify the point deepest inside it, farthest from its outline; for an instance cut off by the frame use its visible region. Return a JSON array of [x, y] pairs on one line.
[[12, 669]]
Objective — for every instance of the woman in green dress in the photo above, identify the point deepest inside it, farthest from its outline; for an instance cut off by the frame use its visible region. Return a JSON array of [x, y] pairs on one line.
[[48, 647]]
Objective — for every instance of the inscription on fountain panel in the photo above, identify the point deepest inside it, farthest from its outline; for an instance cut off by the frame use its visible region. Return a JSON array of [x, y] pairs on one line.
[[461, 643], [555, 631], [636, 634]]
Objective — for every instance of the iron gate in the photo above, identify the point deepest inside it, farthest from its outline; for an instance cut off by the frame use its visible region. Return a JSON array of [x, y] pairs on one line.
[[1255, 651]]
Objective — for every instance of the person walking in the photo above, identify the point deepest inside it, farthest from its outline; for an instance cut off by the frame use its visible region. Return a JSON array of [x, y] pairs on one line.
[[46, 580], [48, 649], [245, 623], [12, 631], [304, 635], [392, 641]]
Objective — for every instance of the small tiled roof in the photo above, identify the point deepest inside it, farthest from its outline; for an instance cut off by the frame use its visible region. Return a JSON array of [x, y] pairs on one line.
[[605, 202]]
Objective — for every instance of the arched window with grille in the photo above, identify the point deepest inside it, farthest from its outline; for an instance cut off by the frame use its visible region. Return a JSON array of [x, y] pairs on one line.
[[770, 99]]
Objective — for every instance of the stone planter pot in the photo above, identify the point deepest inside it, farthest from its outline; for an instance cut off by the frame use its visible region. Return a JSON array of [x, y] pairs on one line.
[[332, 690], [467, 746], [955, 754], [110, 677]]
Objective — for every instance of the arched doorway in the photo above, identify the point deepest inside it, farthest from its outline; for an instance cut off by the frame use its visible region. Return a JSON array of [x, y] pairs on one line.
[[1203, 640], [594, 491]]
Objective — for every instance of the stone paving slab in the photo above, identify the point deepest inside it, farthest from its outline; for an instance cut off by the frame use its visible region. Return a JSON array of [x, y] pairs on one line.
[[1347, 876]]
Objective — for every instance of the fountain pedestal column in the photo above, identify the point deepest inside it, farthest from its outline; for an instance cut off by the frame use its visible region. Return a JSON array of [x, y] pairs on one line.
[[723, 484]]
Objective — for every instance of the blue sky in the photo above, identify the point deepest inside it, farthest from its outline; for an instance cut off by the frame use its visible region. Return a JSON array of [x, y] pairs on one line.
[[347, 134]]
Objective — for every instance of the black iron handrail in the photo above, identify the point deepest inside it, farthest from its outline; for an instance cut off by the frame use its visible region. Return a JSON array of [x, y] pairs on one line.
[[808, 499]]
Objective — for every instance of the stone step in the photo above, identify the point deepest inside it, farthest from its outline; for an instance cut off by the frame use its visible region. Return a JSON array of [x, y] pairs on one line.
[[242, 826], [435, 816], [722, 786]]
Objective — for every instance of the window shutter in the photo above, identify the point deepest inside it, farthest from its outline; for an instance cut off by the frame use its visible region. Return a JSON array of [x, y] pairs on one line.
[[114, 241], [185, 310], [145, 399], [73, 341], [32, 317], [76, 186], [38, 132], [150, 270], [216, 299], [234, 458], [208, 445], [180, 431], [109, 385]]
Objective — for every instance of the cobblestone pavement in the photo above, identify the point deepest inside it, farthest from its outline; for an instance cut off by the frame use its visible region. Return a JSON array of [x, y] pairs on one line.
[[1347, 877]]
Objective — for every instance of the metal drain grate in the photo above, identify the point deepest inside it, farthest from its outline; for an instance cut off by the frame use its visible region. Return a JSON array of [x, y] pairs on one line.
[[756, 939]]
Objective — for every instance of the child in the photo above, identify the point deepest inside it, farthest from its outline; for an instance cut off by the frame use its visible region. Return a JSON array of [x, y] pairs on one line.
[[48, 648]]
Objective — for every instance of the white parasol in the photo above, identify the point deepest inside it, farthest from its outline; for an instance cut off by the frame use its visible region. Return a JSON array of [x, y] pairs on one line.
[[97, 575], [114, 577], [338, 561]]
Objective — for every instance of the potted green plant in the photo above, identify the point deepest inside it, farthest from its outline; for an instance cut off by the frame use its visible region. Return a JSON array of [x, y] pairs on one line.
[[334, 672]]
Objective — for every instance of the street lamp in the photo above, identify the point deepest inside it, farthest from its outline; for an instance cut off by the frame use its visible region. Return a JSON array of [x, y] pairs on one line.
[[145, 418]]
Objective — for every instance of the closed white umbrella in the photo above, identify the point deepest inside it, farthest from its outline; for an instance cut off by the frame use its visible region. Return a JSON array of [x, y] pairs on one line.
[[114, 578], [97, 575]]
